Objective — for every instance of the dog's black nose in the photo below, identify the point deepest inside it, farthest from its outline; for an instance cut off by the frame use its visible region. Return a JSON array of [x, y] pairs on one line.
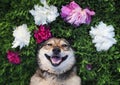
[[56, 50]]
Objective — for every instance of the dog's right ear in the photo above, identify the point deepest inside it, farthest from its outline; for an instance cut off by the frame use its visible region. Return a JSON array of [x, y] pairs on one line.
[[40, 45]]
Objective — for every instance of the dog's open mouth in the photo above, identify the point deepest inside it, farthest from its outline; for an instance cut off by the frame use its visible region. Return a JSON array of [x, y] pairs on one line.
[[56, 60]]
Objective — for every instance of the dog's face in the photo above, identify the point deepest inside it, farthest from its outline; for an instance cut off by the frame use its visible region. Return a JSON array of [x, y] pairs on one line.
[[56, 56]]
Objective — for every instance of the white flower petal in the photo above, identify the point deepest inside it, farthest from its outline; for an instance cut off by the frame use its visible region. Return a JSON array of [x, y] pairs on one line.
[[22, 36], [44, 14], [15, 44], [103, 36]]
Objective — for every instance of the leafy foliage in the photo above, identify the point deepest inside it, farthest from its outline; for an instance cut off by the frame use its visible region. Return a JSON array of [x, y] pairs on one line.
[[105, 65]]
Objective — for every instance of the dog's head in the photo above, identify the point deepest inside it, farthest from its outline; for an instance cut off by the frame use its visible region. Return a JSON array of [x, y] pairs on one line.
[[56, 56]]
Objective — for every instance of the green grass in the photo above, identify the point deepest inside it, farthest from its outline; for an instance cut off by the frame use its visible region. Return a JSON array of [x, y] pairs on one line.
[[105, 65]]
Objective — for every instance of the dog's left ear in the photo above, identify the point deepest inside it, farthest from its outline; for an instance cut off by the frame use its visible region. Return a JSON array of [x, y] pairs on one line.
[[69, 41]]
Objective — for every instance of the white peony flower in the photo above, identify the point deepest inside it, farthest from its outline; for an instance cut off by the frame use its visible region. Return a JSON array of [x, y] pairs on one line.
[[22, 36], [103, 36], [44, 14]]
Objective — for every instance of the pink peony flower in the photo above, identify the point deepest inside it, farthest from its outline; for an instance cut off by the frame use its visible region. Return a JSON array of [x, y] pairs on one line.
[[74, 14], [43, 33], [13, 57]]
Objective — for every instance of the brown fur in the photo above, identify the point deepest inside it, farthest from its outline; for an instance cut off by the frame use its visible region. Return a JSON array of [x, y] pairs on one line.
[[50, 76]]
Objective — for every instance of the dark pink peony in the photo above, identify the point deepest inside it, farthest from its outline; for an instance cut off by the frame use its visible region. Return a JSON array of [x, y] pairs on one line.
[[74, 14], [43, 33], [13, 57]]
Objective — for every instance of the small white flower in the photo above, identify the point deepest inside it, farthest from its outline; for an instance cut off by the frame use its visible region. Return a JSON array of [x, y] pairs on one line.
[[44, 14], [22, 36], [103, 36]]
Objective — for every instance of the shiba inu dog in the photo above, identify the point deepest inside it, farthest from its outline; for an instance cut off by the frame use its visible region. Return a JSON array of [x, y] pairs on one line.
[[56, 62]]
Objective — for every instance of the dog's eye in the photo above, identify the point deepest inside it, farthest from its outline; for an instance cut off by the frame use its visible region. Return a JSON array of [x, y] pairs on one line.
[[64, 45], [49, 44]]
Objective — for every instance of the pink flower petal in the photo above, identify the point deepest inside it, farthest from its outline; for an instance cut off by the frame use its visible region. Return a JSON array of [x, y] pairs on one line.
[[43, 33], [65, 11], [73, 5], [75, 15], [89, 12], [13, 57]]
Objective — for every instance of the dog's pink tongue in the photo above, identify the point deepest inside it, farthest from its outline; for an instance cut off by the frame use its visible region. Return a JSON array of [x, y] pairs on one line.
[[56, 60]]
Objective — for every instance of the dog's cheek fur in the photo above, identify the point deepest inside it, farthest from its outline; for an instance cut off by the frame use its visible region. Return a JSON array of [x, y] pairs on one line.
[[44, 62], [46, 65], [68, 63]]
